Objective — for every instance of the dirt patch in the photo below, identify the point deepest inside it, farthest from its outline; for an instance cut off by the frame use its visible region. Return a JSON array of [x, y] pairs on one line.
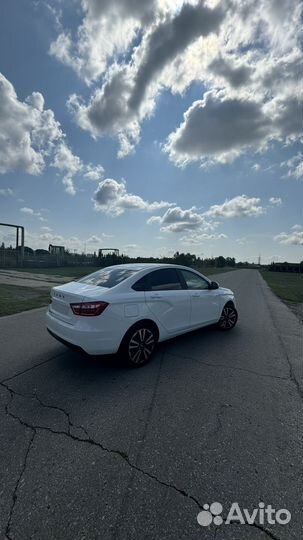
[[33, 280]]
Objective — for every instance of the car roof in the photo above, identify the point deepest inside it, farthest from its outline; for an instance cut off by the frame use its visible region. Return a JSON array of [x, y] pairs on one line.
[[144, 266]]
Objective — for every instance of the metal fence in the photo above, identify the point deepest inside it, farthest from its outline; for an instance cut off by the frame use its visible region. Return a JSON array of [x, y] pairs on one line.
[[11, 258]]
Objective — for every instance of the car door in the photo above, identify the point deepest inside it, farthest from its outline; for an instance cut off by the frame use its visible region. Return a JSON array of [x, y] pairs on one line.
[[205, 302], [168, 301]]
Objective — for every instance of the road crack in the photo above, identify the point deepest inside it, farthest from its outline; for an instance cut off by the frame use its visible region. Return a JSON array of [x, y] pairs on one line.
[[225, 366], [265, 531], [22, 472], [31, 368], [88, 440]]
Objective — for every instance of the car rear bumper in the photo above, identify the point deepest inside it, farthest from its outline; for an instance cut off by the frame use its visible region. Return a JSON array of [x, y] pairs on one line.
[[90, 341]]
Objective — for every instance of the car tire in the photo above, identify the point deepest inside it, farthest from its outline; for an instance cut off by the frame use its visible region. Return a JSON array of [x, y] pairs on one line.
[[228, 319], [138, 345]]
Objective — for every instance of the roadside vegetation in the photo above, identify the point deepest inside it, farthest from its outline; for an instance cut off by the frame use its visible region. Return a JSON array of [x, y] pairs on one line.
[[77, 272], [14, 299], [287, 285]]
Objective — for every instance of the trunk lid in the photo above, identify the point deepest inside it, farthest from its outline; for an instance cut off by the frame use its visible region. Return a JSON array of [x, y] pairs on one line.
[[72, 293]]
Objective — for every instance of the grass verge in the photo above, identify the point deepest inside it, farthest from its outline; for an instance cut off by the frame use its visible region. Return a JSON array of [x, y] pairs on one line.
[[14, 299], [209, 271], [79, 271], [287, 285]]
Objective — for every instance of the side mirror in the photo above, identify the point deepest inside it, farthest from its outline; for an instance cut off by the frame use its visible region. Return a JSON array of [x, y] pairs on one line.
[[213, 285]]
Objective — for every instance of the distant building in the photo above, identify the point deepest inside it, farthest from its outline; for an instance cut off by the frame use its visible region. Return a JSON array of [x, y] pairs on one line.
[[42, 252], [56, 250], [112, 251]]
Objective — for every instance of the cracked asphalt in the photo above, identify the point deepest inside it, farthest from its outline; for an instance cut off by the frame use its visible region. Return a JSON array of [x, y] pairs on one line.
[[92, 451]]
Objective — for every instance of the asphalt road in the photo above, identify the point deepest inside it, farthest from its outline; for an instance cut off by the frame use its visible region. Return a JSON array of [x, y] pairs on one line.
[[92, 451]]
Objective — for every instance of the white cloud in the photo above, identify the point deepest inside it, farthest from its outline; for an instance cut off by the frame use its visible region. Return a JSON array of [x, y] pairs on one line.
[[31, 212], [131, 247], [202, 226], [178, 220], [198, 239], [216, 130], [275, 201], [93, 172], [220, 128], [108, 29], [4, 192], [127, 95], [295, 237], [234, 49], [31, 139], [94, 239], [295, 166], [69, 164], [194, 226], [52, 238], [236, 75], [27, 210], [240, 206], [28, 132], [113, 198]]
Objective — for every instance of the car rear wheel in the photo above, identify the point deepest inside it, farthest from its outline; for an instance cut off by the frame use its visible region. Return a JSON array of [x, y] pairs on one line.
[[228, 319], [139, 345]]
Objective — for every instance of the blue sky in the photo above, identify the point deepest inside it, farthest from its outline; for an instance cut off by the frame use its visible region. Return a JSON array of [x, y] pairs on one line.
[[153, 126]]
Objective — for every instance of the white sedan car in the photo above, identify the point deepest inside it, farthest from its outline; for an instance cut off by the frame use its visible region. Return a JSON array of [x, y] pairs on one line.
[[128, 308]]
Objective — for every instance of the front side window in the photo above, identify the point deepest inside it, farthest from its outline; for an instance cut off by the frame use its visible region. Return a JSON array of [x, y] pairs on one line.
[[193, 281], [108, 277]]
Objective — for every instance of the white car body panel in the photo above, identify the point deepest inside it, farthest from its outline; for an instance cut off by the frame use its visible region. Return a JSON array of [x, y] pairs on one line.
[[172, 309], [205, 307], [174, 312]]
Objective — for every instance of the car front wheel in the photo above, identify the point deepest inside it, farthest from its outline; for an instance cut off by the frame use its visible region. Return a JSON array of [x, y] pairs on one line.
[[139, 345], [228, 318]]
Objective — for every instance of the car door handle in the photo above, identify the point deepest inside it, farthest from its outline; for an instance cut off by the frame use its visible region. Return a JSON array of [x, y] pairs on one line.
[[195, 294], [156, 295]]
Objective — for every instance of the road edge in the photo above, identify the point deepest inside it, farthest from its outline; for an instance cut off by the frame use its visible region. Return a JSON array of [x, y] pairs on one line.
[[290, 333]]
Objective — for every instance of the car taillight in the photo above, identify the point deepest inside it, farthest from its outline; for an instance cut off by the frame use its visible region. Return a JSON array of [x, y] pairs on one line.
[[89, 309]]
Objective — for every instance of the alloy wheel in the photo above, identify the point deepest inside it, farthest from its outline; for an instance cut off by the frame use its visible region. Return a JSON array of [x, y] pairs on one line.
[[141, 346], [228, 318]]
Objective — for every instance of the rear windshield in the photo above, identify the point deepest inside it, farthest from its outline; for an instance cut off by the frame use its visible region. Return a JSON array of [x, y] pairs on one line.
[[108, 277]]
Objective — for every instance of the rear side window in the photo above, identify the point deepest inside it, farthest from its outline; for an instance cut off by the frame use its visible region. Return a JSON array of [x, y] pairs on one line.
[[159, 280], [108, 277], [142, 284]]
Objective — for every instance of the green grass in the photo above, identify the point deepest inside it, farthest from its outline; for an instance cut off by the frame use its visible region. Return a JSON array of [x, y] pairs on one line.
[[287, 285], [79, 271], [14, 299], [209, 271]]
